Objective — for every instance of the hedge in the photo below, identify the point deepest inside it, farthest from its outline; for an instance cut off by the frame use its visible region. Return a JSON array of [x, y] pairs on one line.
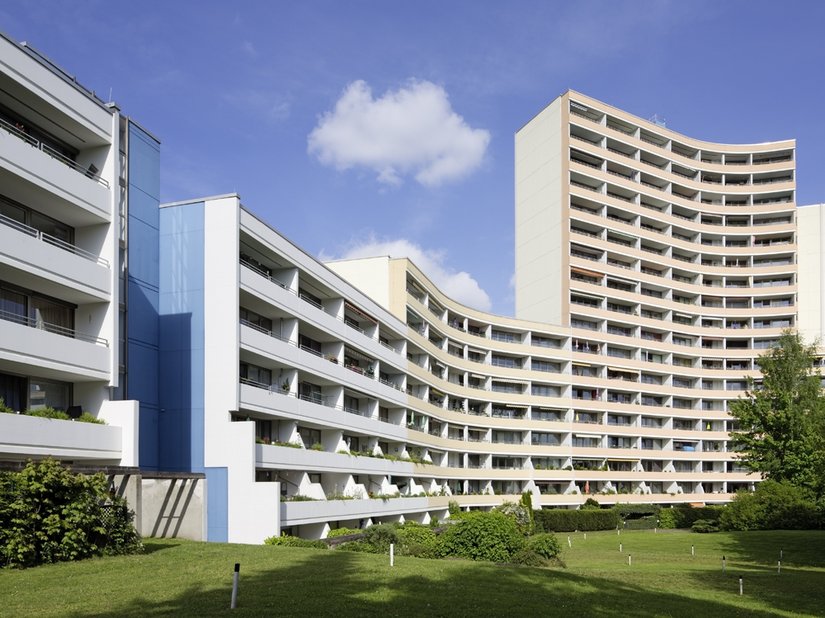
[[568, 520]]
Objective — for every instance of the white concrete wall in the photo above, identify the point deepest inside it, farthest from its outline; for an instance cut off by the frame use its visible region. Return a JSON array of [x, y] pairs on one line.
[[253, 512], [370, 275], [539, 225], [124, 414], [810, 232]]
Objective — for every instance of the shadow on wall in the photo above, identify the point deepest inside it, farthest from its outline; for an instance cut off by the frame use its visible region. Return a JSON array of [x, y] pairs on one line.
[[173, 507]]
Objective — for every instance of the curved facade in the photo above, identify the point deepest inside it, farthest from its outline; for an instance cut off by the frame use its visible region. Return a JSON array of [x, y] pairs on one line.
[[651, 272]]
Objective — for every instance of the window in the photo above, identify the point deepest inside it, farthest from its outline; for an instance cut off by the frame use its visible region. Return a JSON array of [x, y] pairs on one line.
[[257, 376], [46, 393]]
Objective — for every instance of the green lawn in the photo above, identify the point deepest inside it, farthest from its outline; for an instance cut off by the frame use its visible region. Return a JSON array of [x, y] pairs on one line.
[[194, 579]]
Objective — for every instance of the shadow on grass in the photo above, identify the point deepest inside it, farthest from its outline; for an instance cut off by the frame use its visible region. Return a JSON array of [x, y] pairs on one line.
[[796, 588], [150, 547], [341, 584]]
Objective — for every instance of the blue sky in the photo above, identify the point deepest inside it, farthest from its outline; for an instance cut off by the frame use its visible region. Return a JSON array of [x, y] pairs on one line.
[[364, 126]]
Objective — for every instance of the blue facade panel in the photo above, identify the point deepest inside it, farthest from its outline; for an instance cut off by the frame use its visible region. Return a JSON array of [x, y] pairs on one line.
[[217, 501], [142, 288], [181, 362]]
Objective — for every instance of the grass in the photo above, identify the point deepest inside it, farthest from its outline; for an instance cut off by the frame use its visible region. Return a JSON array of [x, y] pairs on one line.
[[183, 578]]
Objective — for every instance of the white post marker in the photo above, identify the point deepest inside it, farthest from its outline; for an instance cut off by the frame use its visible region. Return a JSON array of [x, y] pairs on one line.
[[692, 550], [740, 587], [779, 567], [235, 576], [392, 554], [569, 543], [724, 564], [585, 536], [629, 560], [620, 548]]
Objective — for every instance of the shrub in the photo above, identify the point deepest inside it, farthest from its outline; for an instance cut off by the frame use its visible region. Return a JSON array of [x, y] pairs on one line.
[[294, 541], [705, 525], [478, 535], [88, 418], [686, 516], [380, 536], [773, 506], [48, 413], [545, 545], [49, 514], [4, 409], [519, 514], [667, 518], [417, 540], [453, 508], [357, 546], [591, 504], [333, 534], [567, 520], [528, 557]]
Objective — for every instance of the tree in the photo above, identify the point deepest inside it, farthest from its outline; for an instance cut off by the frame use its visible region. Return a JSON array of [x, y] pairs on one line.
[[781, 419]]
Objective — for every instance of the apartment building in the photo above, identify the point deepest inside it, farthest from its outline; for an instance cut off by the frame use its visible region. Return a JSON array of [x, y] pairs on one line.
[[652, 269], [64, 196]]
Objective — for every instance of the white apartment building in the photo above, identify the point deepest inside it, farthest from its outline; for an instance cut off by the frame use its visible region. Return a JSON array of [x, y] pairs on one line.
[[652, 269], [61, 167]]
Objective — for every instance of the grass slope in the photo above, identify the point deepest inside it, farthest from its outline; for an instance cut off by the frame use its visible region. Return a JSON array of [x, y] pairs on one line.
[[194, 579]]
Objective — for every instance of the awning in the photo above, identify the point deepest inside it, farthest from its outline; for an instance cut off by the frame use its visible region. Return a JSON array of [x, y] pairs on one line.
[[622, 459], [356, 310], [348, 351], [621, 370], [584, 271], [588, 435], [582, 365]]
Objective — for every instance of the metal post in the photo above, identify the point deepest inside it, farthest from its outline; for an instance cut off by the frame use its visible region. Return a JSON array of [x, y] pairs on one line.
[[235, 576], [392, 554], [740, 587]]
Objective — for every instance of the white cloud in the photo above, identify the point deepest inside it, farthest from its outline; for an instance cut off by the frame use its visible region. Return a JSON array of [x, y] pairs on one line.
[[459, 286], [412, 130]]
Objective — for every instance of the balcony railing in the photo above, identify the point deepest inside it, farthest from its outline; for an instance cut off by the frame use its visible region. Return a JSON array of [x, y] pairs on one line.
[[54, 154], [51, 240], [51, 328]]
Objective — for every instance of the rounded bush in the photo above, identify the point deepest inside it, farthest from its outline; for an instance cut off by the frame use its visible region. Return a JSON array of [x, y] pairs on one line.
[[545, 545], [380, 536], [492, 536]]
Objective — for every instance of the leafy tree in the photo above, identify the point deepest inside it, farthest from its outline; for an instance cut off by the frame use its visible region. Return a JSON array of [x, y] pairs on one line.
[[781, 420]]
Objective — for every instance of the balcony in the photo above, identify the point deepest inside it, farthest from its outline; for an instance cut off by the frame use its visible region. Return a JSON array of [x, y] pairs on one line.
[[45, 167], [26, 248]]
